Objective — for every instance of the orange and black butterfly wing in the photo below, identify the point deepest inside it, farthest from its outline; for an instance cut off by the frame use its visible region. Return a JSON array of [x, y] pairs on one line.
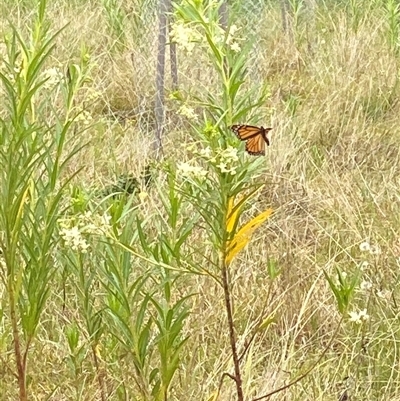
[[256, 138], [244, 132], [255, 146]]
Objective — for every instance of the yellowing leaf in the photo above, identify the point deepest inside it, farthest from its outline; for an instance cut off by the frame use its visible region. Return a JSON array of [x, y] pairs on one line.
[[213, 396], [97, 350], [231, 219], [235, 246], [249, 228], [267, 322], [233, 211], [243, 236]]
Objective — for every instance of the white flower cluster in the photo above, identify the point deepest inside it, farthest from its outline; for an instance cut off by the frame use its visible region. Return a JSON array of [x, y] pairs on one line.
[[95, 223], [359, 317], [205, 152], [226, 160], [74, 230], [73, 239], [372, 249], [187, 112], [184, 36], [186, 170]]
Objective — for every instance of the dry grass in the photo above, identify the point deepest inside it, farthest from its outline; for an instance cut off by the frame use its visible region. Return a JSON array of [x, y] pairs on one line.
[[333, 179]]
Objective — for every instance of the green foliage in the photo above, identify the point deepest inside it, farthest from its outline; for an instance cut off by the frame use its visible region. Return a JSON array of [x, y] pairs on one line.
[[131, 307], [343, 288], [115, 17], [217, 174], [355, 10], [392, 9], [292, 102], [169, 321], [33, 159], [296, 9]]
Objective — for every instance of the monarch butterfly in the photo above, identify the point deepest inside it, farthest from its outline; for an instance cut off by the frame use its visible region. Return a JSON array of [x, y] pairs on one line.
[[256, 138]]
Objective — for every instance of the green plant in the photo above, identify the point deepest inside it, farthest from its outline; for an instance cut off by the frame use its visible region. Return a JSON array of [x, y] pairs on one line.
[[355, 10], [296, 9], [392, 9], [218, 181], [33, 160], [143, 316], [115, 17]]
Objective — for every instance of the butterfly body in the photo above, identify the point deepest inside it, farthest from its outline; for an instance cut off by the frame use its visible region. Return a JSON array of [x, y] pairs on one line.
[[255, 137]]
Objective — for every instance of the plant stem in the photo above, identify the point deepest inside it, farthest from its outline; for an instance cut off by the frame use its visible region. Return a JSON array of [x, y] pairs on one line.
[[99, 373], [17, 347], [232, 337]]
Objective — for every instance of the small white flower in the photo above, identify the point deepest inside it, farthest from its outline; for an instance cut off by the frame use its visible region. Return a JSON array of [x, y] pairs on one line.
[[233, 29], [364, 265], [365, 286], [106, 218], [95, 224], [235, 47], [91, 228], [358, 317], [87, 215], [230, 154], [354, 316], [93, 95], [205, 152], [365, 246], [227, 160], [184, 167], [222, 167]]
